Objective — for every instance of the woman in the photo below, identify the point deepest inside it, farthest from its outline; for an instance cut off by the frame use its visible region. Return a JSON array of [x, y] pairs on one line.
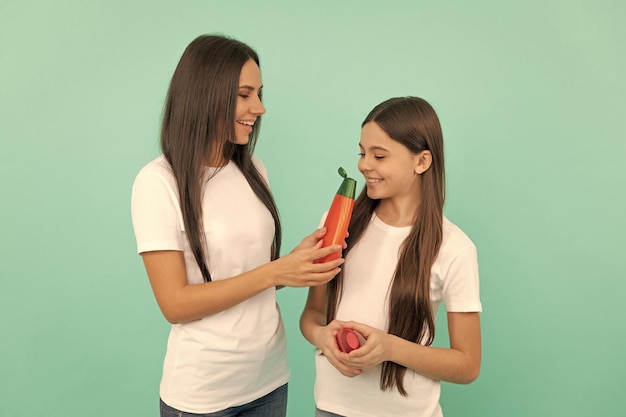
[[208, 231]]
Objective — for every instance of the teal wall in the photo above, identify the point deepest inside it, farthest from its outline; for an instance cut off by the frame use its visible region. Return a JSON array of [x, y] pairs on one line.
[[531, 98]]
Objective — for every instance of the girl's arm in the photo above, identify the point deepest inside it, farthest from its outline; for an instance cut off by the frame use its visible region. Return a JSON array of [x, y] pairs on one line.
[[458, 364], [313, 318], [314, 329], [181, 302]]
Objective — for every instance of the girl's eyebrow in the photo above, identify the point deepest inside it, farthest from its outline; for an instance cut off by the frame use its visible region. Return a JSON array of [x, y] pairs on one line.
[[375, 148]]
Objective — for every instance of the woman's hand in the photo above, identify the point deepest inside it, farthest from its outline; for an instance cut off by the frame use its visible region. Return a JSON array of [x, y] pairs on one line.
[[312, 239], [298, 268], [325, 338]]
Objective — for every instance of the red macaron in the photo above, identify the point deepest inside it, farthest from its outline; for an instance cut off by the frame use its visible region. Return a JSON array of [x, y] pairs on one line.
[[349, 340]]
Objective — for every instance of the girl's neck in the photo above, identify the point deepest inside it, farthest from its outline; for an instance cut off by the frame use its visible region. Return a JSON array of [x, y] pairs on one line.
[[397, 213]]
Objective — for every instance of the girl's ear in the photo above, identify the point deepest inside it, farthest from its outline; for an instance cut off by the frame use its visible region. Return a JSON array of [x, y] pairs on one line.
[[424, 161]]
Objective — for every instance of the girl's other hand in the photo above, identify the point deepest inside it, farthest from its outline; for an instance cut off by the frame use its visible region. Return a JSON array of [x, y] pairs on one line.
[[326, 342], [375, 350]]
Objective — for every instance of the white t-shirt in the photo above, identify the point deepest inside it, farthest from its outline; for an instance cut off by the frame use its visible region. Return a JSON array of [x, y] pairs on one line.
[[238, 355], [368, 273]]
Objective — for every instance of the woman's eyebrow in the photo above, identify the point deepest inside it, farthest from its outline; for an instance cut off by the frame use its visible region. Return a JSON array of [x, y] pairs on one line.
[[249, 87]]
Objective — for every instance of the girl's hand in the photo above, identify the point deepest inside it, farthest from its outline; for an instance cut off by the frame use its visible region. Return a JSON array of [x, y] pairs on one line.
[[326, 341], [375, 350], [298, 268]]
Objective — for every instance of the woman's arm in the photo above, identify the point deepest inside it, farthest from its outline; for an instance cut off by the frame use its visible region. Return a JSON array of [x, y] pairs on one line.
[[181, 302], [458, 364]]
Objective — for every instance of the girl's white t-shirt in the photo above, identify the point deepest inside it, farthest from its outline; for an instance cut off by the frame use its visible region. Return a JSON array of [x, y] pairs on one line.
[[238, 355], [368, 273]]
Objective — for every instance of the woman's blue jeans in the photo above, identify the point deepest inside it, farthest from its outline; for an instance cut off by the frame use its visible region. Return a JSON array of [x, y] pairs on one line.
[[273, 404], [322, 413]]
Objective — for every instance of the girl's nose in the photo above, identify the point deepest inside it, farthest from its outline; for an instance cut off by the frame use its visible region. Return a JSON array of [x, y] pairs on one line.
[[362, 165]]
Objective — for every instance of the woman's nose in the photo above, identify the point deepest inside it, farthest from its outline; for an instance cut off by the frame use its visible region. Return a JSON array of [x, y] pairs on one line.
[[258, 108]]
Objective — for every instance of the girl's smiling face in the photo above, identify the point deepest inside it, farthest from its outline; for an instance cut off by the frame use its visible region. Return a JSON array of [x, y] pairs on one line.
[[389, 168]]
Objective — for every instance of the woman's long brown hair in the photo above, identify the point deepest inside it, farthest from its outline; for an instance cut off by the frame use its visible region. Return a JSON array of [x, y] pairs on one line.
[[414, 123], [198, 120]]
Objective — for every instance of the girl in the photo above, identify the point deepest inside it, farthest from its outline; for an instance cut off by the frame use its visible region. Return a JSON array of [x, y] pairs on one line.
[[209, 234], [403, 258]]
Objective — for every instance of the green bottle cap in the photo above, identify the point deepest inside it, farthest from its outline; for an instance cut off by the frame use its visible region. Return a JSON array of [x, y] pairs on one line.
[[348, 186]]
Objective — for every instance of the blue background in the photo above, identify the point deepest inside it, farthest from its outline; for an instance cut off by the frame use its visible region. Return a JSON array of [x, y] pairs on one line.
[[531, 99]]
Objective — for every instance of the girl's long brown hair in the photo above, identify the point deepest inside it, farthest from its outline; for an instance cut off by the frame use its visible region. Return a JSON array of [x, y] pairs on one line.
[[198, 120], [414, 123]]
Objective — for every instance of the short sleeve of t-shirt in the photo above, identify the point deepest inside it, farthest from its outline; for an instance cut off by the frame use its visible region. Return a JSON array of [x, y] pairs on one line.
[[156, 214], [460, 292]]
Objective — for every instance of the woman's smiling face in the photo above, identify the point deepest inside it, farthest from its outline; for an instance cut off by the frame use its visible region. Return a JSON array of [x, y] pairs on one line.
[[249, 105]]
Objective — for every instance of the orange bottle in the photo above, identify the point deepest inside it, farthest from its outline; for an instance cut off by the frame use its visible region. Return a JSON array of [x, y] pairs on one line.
[[339, 215]]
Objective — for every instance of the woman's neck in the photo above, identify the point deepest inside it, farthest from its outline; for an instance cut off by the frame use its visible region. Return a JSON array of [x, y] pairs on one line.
[[215, 161]]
